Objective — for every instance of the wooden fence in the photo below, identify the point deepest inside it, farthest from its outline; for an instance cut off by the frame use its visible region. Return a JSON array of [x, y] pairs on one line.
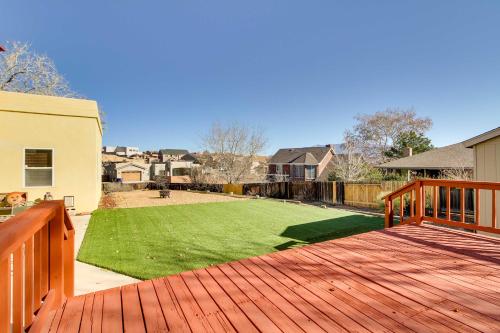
[[351, 194], [304, 191], [369, 195], [339, 193]]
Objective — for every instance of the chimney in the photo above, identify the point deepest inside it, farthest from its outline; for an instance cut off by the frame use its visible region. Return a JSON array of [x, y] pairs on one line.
[[329, 145], [408, 151]]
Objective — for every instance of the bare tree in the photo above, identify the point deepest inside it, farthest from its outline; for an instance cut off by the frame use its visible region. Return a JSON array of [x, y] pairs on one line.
[[233, 149], [457, 173], [22, 70], [350, 165], [376, 133]]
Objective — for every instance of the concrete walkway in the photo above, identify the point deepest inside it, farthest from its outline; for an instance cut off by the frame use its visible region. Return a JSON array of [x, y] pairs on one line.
[[90, 278]]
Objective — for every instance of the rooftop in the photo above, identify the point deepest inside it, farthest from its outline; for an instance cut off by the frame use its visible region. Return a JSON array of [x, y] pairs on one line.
[[308, 155], [482, 137], [169, 151], [419, 278], [49, 105], [448, 157]]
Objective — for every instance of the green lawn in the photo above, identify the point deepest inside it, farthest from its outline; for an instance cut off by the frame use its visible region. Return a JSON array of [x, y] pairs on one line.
[[157, 241]]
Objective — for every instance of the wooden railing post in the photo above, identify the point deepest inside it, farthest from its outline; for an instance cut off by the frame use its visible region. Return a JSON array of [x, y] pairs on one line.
[[389, 213], [419, 201], [69, 264], [56, 255]]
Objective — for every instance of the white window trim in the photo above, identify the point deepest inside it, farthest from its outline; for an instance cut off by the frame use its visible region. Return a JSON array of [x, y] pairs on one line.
[[53, 180]]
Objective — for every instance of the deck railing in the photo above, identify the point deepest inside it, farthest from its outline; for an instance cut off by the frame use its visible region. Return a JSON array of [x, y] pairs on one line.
[[418, 202], [36, 266]]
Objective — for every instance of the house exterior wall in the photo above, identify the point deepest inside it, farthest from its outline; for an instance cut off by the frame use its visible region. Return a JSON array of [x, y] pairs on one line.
[[171, 165], [487, 168], [157, 169], [70, 127], [322, 165]]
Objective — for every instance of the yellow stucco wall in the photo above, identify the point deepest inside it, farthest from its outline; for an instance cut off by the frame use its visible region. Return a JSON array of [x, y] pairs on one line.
[[71, 127]]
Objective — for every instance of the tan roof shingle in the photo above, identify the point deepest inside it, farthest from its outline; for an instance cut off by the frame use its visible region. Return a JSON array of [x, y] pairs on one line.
[[448, 157]]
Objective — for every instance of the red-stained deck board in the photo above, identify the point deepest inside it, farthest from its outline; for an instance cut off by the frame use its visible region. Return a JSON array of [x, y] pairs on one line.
[[112, 320], [151, 309], [403, 279], [132, 312]]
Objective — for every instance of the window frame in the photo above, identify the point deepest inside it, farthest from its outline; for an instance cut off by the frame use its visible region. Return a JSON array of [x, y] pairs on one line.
[[279, 169], [53, 184], [312, 169], [297, 168]]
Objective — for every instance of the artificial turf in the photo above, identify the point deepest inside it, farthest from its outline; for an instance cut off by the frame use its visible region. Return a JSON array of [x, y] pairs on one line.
[[157, 241]]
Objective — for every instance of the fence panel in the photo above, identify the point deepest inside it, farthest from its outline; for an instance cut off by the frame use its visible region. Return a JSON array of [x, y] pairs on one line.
[[368, 195]]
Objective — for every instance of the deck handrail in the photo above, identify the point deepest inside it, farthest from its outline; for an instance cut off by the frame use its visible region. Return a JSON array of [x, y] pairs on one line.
[[416, 191], [36, 265]]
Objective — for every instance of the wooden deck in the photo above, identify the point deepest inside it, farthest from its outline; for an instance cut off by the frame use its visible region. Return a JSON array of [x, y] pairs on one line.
[[408, 278]]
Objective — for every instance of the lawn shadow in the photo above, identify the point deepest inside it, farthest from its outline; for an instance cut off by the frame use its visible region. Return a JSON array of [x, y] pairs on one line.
[[320, 231]]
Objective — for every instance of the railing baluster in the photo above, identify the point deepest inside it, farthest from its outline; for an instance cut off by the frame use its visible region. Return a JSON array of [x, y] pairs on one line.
[[462, 204], [412, 213], [434, 201], [493, 209], [422, 200], [401, 208], [418, 201], [37, 269], [28, 282], [5, 292], [45, 260], [476, 208], [17, 294], [448, 203]]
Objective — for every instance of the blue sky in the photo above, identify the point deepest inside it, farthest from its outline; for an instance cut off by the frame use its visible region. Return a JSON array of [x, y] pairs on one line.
[[164, 71]]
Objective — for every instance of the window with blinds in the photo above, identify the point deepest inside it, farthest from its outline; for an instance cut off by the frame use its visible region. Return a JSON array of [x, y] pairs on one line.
[[38, 167]]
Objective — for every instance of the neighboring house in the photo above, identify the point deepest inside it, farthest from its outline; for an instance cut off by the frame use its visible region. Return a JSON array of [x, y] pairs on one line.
[[109, 149], [433, 162], [165, 155], [174, 171], [127, 172], [486, 163], [300, 164], [51, 144], [178, 171], [157, 169], [121, 150]]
